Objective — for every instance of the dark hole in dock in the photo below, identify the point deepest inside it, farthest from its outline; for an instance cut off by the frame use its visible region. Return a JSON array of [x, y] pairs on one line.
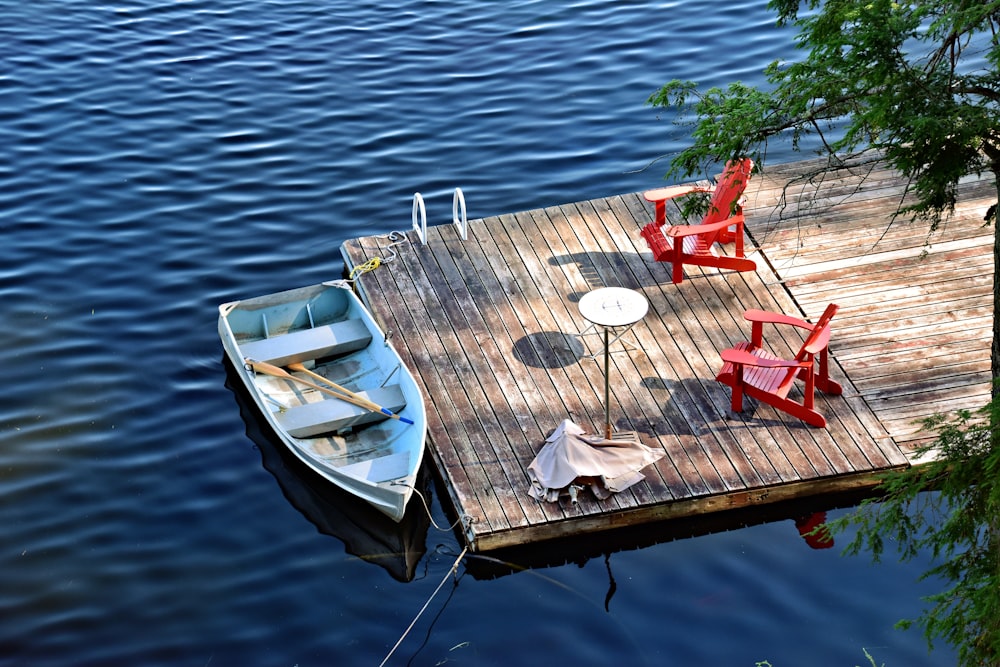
[[549, 349]]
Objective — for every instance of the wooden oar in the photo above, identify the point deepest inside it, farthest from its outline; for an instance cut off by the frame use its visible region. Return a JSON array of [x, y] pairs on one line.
[[372, 405], [349, 397]]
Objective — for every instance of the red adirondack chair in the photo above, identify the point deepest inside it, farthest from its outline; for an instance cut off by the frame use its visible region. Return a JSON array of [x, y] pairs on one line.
[[695, 244], [751, 370]]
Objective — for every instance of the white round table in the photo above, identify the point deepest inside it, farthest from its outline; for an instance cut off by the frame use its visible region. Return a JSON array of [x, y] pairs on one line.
[[612, 308]]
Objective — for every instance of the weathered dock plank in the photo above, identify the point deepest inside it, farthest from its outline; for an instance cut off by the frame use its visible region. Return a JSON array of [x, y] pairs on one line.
[[491, 328], [916, 312]]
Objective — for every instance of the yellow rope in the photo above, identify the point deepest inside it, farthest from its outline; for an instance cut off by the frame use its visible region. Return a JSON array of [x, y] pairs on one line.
[[395, 239], [370, 265]]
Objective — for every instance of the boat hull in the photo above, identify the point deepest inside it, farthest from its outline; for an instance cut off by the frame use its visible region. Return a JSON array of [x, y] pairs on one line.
[[327, 330]]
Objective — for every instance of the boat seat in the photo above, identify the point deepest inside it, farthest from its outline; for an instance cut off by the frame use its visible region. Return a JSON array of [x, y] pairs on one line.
[[309, 344], [331, 414], [381, 469]]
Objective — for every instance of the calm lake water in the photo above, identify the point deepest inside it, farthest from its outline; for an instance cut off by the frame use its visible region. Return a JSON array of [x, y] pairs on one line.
[[161, 157]]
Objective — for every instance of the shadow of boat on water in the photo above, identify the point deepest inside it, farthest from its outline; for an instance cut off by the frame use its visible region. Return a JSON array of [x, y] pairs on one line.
[[366, 533]]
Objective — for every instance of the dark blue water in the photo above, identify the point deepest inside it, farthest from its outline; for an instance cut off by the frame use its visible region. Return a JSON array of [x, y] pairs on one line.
[[161, 157]]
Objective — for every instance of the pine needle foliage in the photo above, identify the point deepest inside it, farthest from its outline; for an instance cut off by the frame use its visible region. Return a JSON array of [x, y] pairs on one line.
[[949, 508], [915, 83], [918, 82]]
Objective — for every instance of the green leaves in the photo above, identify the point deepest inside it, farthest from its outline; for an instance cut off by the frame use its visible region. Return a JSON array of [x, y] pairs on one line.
[[917, 81], [950, 508], [730, 123]]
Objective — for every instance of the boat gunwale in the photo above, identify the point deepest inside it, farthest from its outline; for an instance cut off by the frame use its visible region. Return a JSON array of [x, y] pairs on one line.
[[390, 496]]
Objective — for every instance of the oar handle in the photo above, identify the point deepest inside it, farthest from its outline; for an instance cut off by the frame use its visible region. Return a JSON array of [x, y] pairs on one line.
[[271, 369], [267, 369]]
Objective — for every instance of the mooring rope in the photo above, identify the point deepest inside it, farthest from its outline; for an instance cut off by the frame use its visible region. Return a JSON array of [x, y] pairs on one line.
[[449, 573], [370, 265], [395, 238], [464, 517]]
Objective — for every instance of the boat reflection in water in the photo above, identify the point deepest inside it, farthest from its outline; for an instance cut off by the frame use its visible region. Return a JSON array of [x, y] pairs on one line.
[[365, 532]]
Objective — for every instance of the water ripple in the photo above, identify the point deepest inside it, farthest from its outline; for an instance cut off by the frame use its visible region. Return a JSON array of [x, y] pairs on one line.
[[164, 157]]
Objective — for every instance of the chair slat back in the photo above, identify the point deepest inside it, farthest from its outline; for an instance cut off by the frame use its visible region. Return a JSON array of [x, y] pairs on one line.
[[732, 182], [819, 337]]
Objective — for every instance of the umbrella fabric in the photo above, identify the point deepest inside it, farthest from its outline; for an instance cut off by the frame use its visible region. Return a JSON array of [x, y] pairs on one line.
[[569, 454]]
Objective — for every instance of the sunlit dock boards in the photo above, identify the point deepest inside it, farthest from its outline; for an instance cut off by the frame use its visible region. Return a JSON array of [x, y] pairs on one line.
[[488, 326]]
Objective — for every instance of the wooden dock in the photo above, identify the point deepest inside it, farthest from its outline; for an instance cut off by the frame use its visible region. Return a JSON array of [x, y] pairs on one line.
[[489, 326]]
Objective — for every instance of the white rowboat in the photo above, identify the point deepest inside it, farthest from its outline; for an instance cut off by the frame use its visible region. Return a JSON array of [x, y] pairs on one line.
[[332, 388]]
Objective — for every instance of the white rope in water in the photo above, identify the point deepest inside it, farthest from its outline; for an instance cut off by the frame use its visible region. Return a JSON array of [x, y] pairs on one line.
[[426, 604], [428, 509]]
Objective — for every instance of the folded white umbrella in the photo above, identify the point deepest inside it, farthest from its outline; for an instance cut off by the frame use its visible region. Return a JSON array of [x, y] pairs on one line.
[[571, 455]]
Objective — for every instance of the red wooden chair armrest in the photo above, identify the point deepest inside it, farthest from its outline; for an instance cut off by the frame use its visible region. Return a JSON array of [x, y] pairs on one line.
[[663, 194], [818, 345], [745, 358], [775, 318], [680, 231]]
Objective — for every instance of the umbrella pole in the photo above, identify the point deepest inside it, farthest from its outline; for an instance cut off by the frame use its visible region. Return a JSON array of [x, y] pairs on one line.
[[607, 388]]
